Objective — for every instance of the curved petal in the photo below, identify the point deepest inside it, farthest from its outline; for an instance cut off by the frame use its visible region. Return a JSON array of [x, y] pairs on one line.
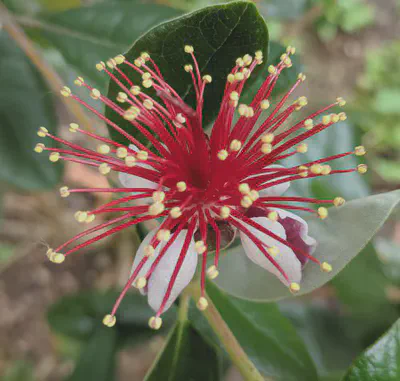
[[275, 190], [286, 258], [159, 280]]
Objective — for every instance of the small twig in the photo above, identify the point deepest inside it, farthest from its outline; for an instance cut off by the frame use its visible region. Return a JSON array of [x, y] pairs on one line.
[[50, 75]]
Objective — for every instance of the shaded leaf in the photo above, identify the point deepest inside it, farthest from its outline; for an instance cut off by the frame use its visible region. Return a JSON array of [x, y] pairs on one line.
[[186, 356], [25, 104], [219, 34], [340, 238]]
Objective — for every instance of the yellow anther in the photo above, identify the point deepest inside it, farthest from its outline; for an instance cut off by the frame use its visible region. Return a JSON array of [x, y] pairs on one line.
[[130, 161], [246, 111], [360, 151], [244, 188], [79, 81], [326, 170], [95, 94], [200, 247], [235, 145], [302, 77], [73, 127], [259, 55], [156, 208], [339, 201], [342, 116], [54, 156], [273, 216], [326, 119], [264, 104], [119, 59], [266, 148], [207, 78], [362, 168], [65, 91], [246, 202], [254, 195], [326, 267], [145, 56], [308, 124], [158, 196], [147, 83], [294, 287], [316, 169], [103, 149], [303, 171], [272, 69], [212, 272], [175, 212], [239, 76], [80, 216], [335, 118], [64, 192], [109, 320], [302, 148], [234, 96], [155, 322], [322, 212], [301, 102], [39, 147], [188, 68], [268, 138], [90, 218], [139, 62], [189, 49], [122, 97], [42, 132], [163, 234], [142, 155], [273, 250], [288, 62], [246, 72], [111, 63], [202, 303], [146, 76], [140, 283], [135, 90], [104, 168], [224, 212], [340, 101], [100, 66], [231, 78], [247, 59], [222, 154], [181, 186], [122, 152], [55, 257], [180, 118], [289, 49], [240, 62], [148, 104]]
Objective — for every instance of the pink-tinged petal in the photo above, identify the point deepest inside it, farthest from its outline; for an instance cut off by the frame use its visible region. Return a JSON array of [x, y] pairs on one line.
[[286, 258], [159, 280]]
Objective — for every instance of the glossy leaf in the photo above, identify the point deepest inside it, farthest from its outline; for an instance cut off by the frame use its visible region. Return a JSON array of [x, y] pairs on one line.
[[266, 336], [186, 356], [97, 361], [380, 362], [25, 105], [340, 238], [219, 34]]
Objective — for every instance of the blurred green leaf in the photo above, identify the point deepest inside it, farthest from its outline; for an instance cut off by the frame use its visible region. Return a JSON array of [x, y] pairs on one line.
[[285, 10], [340, 238], [387, 101], [25, 105], [6, 252], [19, 371], [389, 170], [389, 254], [380, 362], [266, 336], [219, 34], [97, 361], [78, 316], [186, 356], [51, 5]]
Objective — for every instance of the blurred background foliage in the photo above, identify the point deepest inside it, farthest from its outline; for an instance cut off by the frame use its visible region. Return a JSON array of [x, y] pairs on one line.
[[346, 46]]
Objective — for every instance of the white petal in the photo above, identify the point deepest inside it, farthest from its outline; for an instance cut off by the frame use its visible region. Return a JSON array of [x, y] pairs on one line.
[[159, 280], [286, 258], [275, 190], [310, 241]]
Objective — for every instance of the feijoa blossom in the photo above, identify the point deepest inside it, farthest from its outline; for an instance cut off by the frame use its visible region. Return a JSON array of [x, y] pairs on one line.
[[197, 183]]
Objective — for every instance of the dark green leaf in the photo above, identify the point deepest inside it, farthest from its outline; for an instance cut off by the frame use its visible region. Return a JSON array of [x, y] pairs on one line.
[[340, 238], [186, 356], [97, 361], [266, 336], [25, 105], [380, 362], [219, 34]]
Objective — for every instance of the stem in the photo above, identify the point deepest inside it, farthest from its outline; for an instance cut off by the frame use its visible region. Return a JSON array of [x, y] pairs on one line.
[[184, 301], [238, 356], [54, 81]]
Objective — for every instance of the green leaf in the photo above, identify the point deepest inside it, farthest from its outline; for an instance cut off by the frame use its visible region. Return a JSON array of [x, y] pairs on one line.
[[97, 361], [380, 362], [78, 315], [95, 33], [186, 356], [266, 336], [288, 9], [340, 238], [25, 104], [19, 371], [387, 101], [219, 34]]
